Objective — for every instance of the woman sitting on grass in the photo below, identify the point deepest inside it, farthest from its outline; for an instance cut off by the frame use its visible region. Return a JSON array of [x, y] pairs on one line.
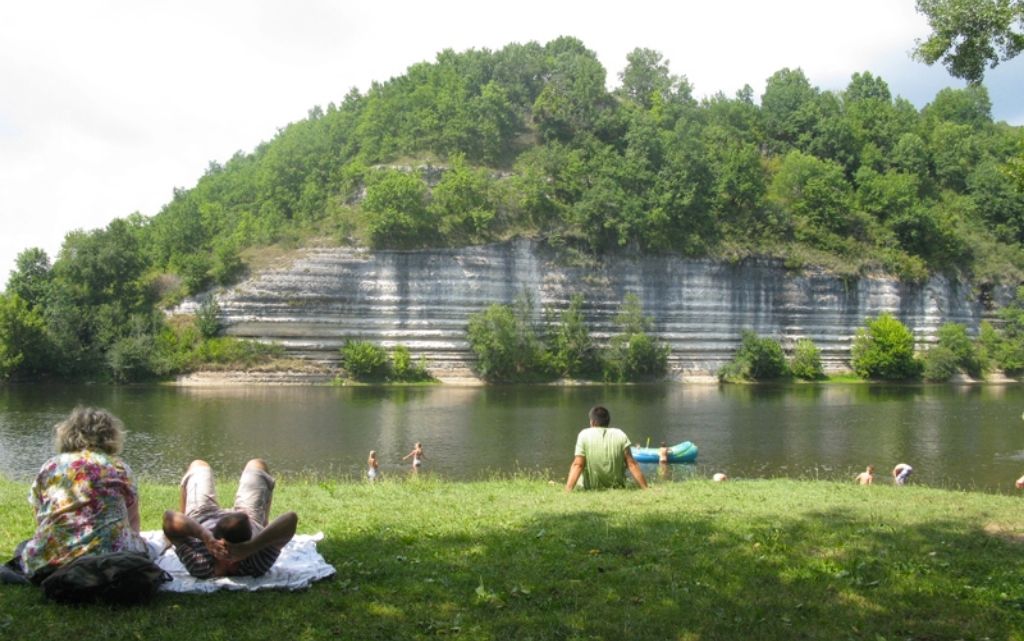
[[84, 498]]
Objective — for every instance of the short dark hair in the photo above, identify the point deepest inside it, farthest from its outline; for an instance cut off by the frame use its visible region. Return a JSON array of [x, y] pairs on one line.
[[233, 528], [600, 416]]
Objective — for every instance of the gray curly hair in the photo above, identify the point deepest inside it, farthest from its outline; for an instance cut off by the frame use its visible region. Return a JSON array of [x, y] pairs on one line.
[[89, 428]]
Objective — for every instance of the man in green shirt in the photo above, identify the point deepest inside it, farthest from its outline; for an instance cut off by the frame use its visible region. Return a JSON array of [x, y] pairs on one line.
[[602, 456]]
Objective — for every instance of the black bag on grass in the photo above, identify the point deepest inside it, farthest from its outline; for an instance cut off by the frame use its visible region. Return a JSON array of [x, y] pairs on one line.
[[120, 578]]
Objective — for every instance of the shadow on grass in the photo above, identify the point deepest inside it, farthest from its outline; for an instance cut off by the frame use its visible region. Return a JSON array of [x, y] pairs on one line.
[[830, 576], [587, 574]]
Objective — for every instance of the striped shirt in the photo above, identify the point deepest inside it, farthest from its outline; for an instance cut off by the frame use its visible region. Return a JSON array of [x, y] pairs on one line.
[[200, 562]]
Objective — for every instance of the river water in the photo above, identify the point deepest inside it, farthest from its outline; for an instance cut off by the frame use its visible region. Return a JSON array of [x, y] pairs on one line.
[[969, 437]]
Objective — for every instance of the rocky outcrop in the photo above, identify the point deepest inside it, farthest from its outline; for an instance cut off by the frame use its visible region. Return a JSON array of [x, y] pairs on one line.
[[423, 299]]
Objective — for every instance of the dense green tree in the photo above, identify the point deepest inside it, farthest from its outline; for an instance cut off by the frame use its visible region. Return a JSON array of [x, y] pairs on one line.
[[520, 69], [817, 196], [574, 94], [396, 210], [757, 359], [463, 203], [1010, 347], [104, 266], [633, 354], [404, 369], [954, 151], [939, 364], [999, 200], [954, 337], [24, 345], [547, 182], [910, 155], [969, 106], [968, 35], [886, 194], [573, 352], [806, 361], [364, 360], [208, 318], [129, 359], [30, 279], [789, 109], [611, 212], [679, 214], [884, 349], [868, 107], [646, 79], [506, 344]]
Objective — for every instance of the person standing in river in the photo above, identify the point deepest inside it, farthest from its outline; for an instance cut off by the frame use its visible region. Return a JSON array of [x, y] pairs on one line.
[[417, 456], [602, 456], [372, 466], [901, 473], [867, 476]]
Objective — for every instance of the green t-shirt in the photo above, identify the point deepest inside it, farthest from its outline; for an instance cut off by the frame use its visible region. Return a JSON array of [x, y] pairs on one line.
[[604, 448]]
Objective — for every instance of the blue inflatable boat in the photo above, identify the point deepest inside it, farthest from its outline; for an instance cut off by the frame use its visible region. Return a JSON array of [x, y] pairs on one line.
[[685, 452]]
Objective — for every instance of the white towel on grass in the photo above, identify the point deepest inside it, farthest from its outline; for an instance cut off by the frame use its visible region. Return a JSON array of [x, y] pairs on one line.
[[297, 567]]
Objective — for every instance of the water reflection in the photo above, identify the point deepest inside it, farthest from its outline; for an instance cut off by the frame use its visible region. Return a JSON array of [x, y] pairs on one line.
[[967, 436]]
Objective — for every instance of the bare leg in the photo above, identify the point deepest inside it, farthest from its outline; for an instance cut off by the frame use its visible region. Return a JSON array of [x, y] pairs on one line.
[[194, 465], [255, 491]]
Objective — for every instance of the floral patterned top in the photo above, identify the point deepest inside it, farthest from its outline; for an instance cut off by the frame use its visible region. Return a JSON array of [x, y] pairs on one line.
[[81, 501]]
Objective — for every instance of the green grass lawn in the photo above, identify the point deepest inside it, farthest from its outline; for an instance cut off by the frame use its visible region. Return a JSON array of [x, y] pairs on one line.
[[519, 559]]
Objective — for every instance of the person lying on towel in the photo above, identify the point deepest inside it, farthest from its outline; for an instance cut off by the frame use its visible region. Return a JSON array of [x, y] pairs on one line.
[[213, 542]]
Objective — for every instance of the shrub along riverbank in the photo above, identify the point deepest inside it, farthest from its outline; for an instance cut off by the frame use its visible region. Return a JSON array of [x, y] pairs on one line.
[[504, 559]]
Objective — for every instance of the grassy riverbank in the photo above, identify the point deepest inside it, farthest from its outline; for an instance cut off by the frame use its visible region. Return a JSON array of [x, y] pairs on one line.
[[519, 559]]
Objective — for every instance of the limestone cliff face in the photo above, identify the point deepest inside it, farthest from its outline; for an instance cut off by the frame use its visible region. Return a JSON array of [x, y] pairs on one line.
[[423, 299]]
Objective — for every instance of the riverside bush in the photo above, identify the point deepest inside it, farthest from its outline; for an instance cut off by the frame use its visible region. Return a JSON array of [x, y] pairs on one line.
[[208, 318], [130, 358], [404, 369], [1010, 346], [236, 352], [940, 364], [989, 345], [884, 349], [953, 336], [364, 360], [757, 359], [806, 361], [506, 344], [634, 355], [573, 352]]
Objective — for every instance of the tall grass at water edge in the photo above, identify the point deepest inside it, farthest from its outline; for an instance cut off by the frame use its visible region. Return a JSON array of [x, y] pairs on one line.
[[520, 559]]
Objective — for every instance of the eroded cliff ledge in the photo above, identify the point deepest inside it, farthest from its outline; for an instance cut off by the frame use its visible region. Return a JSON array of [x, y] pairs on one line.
[[423, 299]]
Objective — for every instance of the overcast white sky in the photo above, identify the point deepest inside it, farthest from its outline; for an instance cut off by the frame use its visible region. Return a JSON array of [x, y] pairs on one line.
[[106, 106]]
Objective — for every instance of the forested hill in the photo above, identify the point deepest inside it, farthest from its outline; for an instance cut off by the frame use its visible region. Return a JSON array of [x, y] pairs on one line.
[[485, 145]]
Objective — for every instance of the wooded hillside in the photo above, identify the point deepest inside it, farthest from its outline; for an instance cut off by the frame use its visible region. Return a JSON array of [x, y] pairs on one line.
[[481, 145]]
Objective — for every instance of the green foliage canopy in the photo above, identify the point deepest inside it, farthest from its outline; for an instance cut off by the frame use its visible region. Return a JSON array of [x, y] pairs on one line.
[[757, 359], [968, 35], [884, 350]]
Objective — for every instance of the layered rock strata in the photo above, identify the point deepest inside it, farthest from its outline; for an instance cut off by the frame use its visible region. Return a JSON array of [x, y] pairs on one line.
[[423, 299]]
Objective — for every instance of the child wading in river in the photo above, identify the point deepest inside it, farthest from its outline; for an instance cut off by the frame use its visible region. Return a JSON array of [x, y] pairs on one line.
[[417, 456], [867, 476], [901, 472], [372, 466]]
